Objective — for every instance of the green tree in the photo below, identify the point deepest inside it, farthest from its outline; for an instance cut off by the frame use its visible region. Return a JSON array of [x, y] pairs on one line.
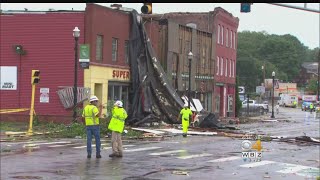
[[238, 102], [313, 85]]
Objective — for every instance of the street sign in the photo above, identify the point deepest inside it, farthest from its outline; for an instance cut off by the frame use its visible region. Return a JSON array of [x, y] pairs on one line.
[[241, 89], [84, 56], [260, 89]]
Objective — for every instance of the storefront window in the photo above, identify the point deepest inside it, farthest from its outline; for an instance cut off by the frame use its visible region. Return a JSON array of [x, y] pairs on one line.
[[118, 91]]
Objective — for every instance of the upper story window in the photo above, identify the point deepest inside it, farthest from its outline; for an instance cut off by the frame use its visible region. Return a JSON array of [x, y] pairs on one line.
[[222, 35], [218, 63], [227, 40], [234, 40], [99, 48], [114, 49], [226, 72], [218, 34], [126, 52], [231, 32], [230, 68], [221, 67], [234, 70]]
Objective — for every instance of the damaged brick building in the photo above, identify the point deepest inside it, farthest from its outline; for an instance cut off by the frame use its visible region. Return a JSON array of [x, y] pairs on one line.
[[212, 38]]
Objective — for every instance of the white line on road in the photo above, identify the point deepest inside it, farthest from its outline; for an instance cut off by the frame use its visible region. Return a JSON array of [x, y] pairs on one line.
[[58, 142], [194, 156], [292, 168], [261, 163], [225, 159], [141, 149], [167, 152], [61, 145], [129, 145], [93, 145]]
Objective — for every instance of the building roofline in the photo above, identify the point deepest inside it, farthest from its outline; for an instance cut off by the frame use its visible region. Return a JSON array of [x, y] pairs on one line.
[[40, 12]]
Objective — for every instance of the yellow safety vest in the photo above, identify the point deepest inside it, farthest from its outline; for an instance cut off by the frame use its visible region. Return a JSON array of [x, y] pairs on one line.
[[119, 116], [186, 113], [90, 113]]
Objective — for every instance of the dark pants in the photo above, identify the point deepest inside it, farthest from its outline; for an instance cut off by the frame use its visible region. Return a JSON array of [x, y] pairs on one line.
[[93, 130]]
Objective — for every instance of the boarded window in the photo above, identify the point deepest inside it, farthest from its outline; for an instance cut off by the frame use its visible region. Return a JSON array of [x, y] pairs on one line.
[[114, 49], [126, 50], [99, 48]]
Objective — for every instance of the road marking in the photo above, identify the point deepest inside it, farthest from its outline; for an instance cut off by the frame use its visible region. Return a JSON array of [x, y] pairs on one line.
[[61, 145], [141, 149], [93, 145], [167, 152], [292, 168], [129, 145], [58, 142], [261, 163], [231, 158], [194, 156]]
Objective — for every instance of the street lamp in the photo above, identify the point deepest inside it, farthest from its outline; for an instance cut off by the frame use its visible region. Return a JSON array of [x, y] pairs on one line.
[[76, 34], [190, 56], [273, 75]]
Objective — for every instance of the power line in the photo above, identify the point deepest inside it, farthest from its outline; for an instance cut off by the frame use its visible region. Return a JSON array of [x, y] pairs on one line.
[[295, 7]]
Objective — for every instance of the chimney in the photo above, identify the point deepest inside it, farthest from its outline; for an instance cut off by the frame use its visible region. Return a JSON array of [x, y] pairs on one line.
[[116, 5]]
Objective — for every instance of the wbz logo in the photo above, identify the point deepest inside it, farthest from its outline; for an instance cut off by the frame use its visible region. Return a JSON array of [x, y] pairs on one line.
[[251, 152]]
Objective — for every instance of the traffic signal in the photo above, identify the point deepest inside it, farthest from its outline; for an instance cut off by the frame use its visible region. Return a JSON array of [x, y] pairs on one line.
[[245, 7], [35, 77], [146, 8]]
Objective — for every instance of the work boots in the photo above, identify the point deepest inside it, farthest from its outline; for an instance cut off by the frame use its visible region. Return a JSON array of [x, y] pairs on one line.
[[184, 135], [98, 156], [89, 156], [115, 155]]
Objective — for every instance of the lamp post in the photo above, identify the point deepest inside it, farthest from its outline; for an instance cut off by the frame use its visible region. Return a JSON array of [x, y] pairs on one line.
[[76, 34], [273, 75], [190, 56]]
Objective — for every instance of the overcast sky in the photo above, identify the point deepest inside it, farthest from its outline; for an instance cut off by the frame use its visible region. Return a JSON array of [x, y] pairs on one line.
[[263, 17]]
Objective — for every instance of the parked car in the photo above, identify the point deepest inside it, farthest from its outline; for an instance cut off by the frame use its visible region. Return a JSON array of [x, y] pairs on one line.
[[305, 106], [253, 103]]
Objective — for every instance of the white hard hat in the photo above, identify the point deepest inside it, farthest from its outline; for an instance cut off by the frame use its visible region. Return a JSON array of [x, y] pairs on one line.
[[93, 98], [118, 103], [185, 105]]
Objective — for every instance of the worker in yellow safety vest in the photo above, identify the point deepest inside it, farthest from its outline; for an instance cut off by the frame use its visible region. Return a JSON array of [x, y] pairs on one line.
[[185, 116], [91, 115], [116, 125], [295, 104]]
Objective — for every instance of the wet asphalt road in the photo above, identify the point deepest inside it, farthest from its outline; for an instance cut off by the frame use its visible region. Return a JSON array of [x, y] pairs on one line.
[[200, 157]]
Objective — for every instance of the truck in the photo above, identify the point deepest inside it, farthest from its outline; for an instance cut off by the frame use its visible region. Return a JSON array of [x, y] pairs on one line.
[[254, 104], [287, 100]]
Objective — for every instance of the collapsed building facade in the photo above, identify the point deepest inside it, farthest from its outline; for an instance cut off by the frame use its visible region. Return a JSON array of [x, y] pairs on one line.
[[141, 61]]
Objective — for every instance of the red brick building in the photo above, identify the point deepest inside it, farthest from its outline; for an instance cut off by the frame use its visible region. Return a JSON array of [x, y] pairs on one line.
[[220, 95], [46, 37]]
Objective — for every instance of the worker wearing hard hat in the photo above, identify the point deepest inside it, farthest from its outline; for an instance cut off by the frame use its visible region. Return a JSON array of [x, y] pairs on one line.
[[91, 114], [185, 116], [116, 125]]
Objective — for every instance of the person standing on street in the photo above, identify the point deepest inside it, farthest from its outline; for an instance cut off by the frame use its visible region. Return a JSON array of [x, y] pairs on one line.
[[295, 104], [311, 107], [277, 108], [91, 115], [116, 125], [185, 115]]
